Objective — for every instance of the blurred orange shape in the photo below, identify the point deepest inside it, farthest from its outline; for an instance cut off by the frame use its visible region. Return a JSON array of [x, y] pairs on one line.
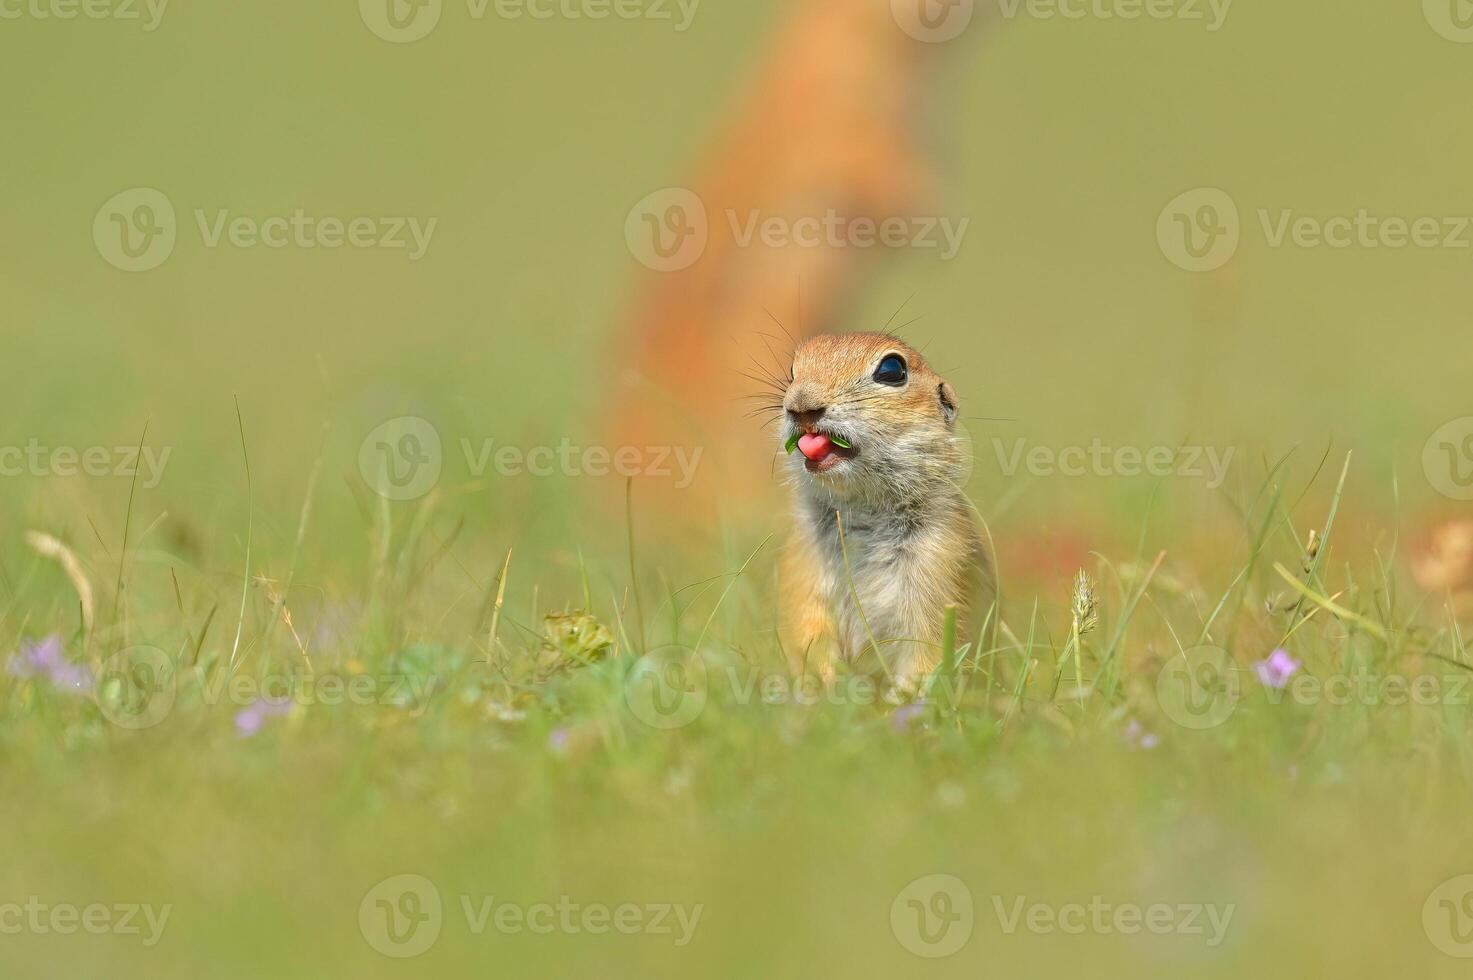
[[1447, 563]]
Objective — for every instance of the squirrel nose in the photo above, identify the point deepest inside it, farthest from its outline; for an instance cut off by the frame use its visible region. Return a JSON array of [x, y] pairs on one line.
[[805, 403], [806, 418]]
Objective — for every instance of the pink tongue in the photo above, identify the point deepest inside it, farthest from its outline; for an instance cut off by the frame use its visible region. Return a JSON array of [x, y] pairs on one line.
[[815, 445]]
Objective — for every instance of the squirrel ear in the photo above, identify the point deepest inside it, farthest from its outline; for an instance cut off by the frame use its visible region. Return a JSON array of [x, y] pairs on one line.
[[947, 397]]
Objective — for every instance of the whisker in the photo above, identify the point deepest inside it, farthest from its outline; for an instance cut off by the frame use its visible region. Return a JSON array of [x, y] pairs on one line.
[[886, 327], [770, 384], [780, 326], [767, 373], [777, 361]]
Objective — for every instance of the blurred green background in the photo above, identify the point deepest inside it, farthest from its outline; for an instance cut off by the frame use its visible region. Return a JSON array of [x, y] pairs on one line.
[[1060, 140], [1060, 321]]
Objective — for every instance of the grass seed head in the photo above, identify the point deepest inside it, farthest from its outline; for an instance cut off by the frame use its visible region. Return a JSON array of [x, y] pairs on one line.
[[1084, 604]]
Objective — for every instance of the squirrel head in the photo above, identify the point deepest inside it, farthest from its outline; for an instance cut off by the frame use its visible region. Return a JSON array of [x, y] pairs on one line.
[[864, 414]]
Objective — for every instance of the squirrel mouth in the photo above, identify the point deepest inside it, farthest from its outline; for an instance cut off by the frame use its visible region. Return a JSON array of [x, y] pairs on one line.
[[822, 451]]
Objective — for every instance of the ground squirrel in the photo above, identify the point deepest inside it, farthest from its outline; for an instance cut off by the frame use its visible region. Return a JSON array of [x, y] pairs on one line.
[[878, 459]]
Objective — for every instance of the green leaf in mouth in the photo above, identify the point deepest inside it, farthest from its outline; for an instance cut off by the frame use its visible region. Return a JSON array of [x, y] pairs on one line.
[[839, 441]]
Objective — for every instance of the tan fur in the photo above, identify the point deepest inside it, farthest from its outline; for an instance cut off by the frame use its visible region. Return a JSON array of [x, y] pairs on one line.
[[885, 541]]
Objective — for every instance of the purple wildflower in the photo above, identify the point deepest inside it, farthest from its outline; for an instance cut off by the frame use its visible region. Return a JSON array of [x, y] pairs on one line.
[[250, 719], [337, 625], [1137, 737], [46, 659], [1277, 669], [904, 715], [557, 739]]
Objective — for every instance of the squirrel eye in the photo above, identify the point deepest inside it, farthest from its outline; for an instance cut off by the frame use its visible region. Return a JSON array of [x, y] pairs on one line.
[[891, 371]]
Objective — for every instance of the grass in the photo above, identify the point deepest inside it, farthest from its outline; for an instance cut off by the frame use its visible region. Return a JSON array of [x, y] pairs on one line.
[[520, 740]]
